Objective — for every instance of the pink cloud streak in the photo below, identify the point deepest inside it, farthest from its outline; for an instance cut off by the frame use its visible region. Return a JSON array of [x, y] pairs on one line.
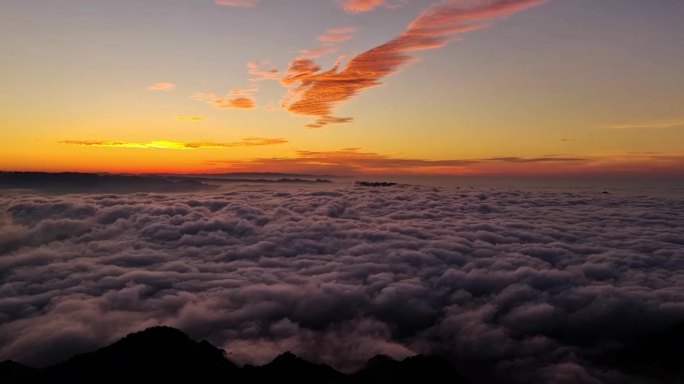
[[337, 35], [357, 6], [237, 3], [316, 93]]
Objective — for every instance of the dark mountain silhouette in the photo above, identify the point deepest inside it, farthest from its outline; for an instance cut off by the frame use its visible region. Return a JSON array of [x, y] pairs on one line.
[[248, 175], [292, 369], [95, 183], [383, 369], [658, 355], [13, 372], [374, 184], [163, 354], [154, 355], [230, 180]]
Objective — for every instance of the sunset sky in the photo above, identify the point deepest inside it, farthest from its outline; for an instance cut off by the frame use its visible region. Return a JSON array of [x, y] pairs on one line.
[[343, 86]]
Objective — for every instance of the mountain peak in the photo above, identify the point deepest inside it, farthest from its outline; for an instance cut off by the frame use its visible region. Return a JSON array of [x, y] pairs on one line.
[[165, 354], [287, 357]]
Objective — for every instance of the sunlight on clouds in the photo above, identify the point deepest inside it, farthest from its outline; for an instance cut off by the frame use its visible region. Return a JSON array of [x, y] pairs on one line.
[[337, 35], [317, 93], [165, 144], [162, 86], [228, 101], [357, 6], [254, 69], [190, 118]]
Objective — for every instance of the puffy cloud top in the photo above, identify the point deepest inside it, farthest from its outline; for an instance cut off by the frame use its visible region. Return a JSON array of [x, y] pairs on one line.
[[527, 283]]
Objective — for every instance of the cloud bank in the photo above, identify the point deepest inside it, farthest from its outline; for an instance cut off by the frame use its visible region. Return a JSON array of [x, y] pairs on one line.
[[525, 284]]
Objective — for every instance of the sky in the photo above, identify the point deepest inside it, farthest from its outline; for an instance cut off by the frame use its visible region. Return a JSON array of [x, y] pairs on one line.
[[343, 86]]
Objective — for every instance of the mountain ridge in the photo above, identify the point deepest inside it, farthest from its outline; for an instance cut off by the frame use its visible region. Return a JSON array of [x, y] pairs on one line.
[[167, 354]]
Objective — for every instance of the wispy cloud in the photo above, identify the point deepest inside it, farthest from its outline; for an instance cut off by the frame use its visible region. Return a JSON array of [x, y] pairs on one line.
[[351, 6], [237, 3], [162, 86], [312, 53], [257, 73], [228, 101], [352, 161], [347, 161], [316, 93], [190, 118], [651, 125], [325, 120], [329, 40], [242, 92], [337, 35], [357, 6], [236, 98], [510, 159], [263, 70], [164, 144]]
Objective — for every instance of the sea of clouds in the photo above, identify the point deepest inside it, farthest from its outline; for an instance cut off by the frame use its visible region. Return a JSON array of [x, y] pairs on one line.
[[526, 283]]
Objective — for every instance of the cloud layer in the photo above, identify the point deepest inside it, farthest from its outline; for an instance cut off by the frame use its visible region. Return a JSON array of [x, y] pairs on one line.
[[525, 283]]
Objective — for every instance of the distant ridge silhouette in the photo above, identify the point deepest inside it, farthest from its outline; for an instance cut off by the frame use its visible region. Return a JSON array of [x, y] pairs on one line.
[[71, 182], [295, 370], [164, 354], [658, 354], [416, 369]]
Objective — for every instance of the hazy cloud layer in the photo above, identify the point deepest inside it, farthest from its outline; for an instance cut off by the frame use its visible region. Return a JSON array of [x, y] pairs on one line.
[[529, 282], [357, 161]]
